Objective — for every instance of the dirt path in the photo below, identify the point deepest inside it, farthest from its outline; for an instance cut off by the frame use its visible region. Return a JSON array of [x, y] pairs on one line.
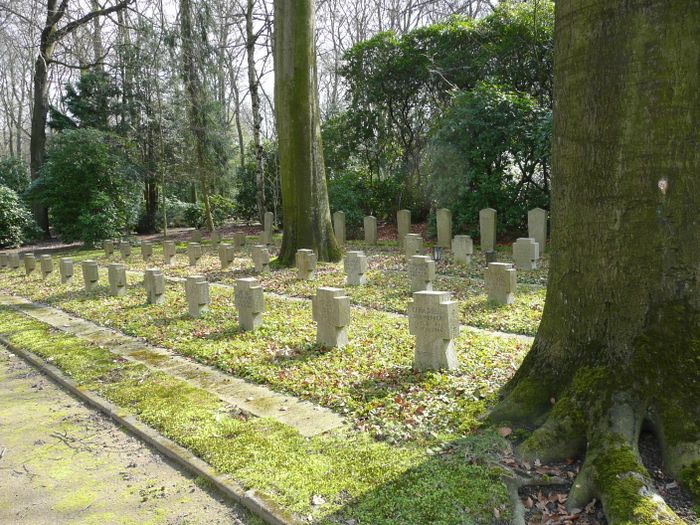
[[62, 463]]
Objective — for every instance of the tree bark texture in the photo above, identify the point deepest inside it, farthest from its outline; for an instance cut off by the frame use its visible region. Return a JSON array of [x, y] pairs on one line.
[[619, 342]]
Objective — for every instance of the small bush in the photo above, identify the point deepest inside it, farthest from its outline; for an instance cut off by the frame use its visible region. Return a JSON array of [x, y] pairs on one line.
[[16, 223], [222, 209], [14, 174], [193, 214]]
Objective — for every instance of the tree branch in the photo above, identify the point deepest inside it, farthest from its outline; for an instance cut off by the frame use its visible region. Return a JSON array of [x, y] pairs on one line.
[[72, 26]]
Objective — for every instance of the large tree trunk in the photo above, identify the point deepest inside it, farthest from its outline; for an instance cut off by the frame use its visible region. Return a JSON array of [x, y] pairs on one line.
[[619, 342], [307, 218]]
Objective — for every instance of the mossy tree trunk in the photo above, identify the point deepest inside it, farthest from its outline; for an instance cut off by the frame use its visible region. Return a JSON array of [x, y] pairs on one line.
[[619, 342], [307, 218]]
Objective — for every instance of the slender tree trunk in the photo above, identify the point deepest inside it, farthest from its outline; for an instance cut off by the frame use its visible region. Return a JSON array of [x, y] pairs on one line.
[[237, 118], [40, 111], [619, 342], [307, 218], [255, 105], [97, 48]]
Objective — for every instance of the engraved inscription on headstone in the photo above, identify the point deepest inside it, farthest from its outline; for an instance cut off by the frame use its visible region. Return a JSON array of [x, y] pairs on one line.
[[421, 273], [306, 264], [250, 303], [154, 283], [432, 318], [501, 282], [197, 293], [116, 273], [91, 275], [331, 311], [462, 249], [355, 265]]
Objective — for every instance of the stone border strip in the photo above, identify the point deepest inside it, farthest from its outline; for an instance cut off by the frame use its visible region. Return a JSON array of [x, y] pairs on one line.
[[305, 417], [250, 499]]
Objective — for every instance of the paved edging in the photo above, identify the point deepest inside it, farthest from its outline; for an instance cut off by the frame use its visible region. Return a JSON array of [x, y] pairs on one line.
[[250, 499]]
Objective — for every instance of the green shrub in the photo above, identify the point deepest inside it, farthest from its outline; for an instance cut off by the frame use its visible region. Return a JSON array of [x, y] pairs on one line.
[[194, 214], [14, 174], [16, 223], [89, 185], [222, 209]]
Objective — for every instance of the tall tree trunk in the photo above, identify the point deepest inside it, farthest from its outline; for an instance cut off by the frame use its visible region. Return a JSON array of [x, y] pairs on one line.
[[307, 217], [257, 116], [97, 48], [619, 342]]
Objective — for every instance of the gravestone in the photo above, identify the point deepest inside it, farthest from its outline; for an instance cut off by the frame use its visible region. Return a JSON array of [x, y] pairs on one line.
[[526, 253], [146, 250], [108, 247], [215, 238], [331, 312], [239, 240], [197, 292], [487, 229], [462, 249], [196, 236], [29, 263], [116, 273], [444, 228], [261, 258], [125, 250], [537, 227], [4, 260], [355, 264], [169, 250], [250, 303], [412, 245], [339, 227], [501, 282], [421, 273], [91, 275], [194, 253], [432, 319], [266, 235], [154, 283], [403, 224], [65, 267], [46, 265], [227, 254], [370, 226], [306, 264], [13, 260]]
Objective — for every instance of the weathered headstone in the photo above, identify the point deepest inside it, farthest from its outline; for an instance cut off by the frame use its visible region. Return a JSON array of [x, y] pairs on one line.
[[261, 258], [432, 319], [196, 236], [306, 264], [421, 273], [65, 267], [412, 245], [268, 220], [154, 283], [444, 228], [194, 253], [13, 260], [227, 254], [487, 229], [537, 227], [169, 251], [46, 265], [501, 282], [339, 227], [403, 224], [331, 312], [91, 275], [462, 249], [215, 238], [108, 246], [146, 250], [29, 263], [116, 273], [197, 291], [4, 260], [355, 264], [125, 250], [526, 253], [370, 227], [239, 240], [250, 303]]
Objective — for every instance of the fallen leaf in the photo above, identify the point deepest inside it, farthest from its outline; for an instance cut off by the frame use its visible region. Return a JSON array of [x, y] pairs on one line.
[[505, 431]]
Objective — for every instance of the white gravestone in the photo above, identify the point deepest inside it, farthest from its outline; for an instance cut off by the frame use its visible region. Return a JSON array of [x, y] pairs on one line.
[[306, 264], [108, 247], [331, 312], [116, 274], [65, 267], [13, 260], [339, 227], [412, 245], [46, 265], [250, 303], [462, 249], [227, 254], [215, 238], [196, 236], [487, 229], [526, 253], [197, 292], [169, 250], [355, 264], [194, 253], [444, 228], [537, 227], [3, 260], [501, 282], [239, 240], [261, 258], [154, 283], [421, 273], [125, 250], [268, 220], [146, 250], [370, 224], [91, 275], [403, 224], [29, 263], [432, 319]]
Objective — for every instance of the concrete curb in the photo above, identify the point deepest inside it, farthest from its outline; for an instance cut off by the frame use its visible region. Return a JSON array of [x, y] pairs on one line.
[[249, 499]]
